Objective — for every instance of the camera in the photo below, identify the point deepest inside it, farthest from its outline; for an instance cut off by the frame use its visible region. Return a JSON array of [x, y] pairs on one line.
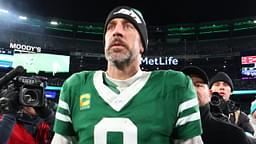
[[217, 100], [219, 105], [31, 90]]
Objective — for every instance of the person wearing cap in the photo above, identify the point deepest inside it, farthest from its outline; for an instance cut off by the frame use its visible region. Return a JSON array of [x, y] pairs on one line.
[[252, 115], [215, 131], [223, 85], [125, 104], [200, 81]]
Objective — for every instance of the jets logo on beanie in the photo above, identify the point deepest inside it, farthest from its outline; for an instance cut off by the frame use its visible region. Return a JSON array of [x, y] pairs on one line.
[[133, 16], [222, 76]]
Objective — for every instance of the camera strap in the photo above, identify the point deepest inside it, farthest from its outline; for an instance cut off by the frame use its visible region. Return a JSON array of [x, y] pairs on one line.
[[237, 114], [234, 116]]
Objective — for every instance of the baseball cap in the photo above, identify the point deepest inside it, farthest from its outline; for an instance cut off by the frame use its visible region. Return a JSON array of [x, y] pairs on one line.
[[188, 70]]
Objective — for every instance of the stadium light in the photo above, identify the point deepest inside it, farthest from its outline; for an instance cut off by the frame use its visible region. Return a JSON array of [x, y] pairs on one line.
[[54, 23], [23, 17], [4, 11]]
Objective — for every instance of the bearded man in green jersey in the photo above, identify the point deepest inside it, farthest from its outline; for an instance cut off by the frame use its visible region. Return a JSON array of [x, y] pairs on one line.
[[125, 105]]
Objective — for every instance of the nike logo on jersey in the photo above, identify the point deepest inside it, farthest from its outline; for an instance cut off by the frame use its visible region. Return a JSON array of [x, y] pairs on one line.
[[85, 101]]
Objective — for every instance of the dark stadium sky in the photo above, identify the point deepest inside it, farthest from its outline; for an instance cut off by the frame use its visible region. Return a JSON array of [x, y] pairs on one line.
[[156, 12]]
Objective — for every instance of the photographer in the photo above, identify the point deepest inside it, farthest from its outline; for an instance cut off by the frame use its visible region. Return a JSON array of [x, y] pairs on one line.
[[222, 84], [215, 131], [25, 117], [30, 125]]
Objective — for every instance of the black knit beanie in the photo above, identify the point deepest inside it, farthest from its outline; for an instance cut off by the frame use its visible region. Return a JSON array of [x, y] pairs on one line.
[[132, 15], [222, 76]]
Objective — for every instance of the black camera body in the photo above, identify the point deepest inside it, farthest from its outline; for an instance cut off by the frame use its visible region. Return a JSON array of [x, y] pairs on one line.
[[217, 101], [31, 90], [219, 105]]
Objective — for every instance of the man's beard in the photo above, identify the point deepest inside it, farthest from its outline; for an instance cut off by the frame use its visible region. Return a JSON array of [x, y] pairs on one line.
[[119, 60]]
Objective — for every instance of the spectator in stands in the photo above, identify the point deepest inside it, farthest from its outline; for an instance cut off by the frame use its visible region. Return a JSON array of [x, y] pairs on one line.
[[215, 131], [252, 115], [125, 104], [223, 85], [29, 126]]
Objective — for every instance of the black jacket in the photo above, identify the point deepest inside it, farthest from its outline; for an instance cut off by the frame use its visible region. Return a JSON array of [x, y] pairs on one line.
[[232, 113], [241, 119], [216, 131]]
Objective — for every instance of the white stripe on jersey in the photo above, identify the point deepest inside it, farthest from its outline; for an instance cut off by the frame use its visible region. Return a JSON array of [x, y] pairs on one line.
[[187, 104], [62, 117], [62, 104], [189, 118]]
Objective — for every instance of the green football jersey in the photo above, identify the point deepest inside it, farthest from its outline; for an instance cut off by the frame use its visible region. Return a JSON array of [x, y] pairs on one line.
[[158, 107]]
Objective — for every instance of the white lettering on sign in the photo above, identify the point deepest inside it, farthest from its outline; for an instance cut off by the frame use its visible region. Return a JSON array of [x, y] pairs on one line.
[[25, 48], [160, 61]]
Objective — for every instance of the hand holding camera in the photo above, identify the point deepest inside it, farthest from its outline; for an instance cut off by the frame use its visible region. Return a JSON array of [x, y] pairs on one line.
[[9, 101], [219, 105], [18, 90]]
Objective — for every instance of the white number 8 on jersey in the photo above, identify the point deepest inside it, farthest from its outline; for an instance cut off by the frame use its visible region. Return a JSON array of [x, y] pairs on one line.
[[124, 125]]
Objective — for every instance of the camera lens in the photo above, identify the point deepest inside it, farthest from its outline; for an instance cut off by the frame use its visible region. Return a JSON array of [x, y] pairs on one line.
[[29, 97], [31, 91], [215, 100]]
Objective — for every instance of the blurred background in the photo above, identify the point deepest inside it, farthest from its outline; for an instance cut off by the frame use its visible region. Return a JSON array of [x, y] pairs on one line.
[[61, 37]]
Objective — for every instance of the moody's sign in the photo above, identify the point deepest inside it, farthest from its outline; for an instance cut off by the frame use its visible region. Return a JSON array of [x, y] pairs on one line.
[[24, 47]]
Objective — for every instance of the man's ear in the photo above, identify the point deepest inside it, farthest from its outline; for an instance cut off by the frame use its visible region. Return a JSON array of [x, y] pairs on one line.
[[141, 51]]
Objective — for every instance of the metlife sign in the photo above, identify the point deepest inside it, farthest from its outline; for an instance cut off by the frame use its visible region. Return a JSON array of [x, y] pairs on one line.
[[25, 48], [159, 61]]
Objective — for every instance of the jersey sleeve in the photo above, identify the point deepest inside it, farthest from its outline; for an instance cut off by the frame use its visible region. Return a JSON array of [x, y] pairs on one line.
[[63, 121], [188, 124]]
